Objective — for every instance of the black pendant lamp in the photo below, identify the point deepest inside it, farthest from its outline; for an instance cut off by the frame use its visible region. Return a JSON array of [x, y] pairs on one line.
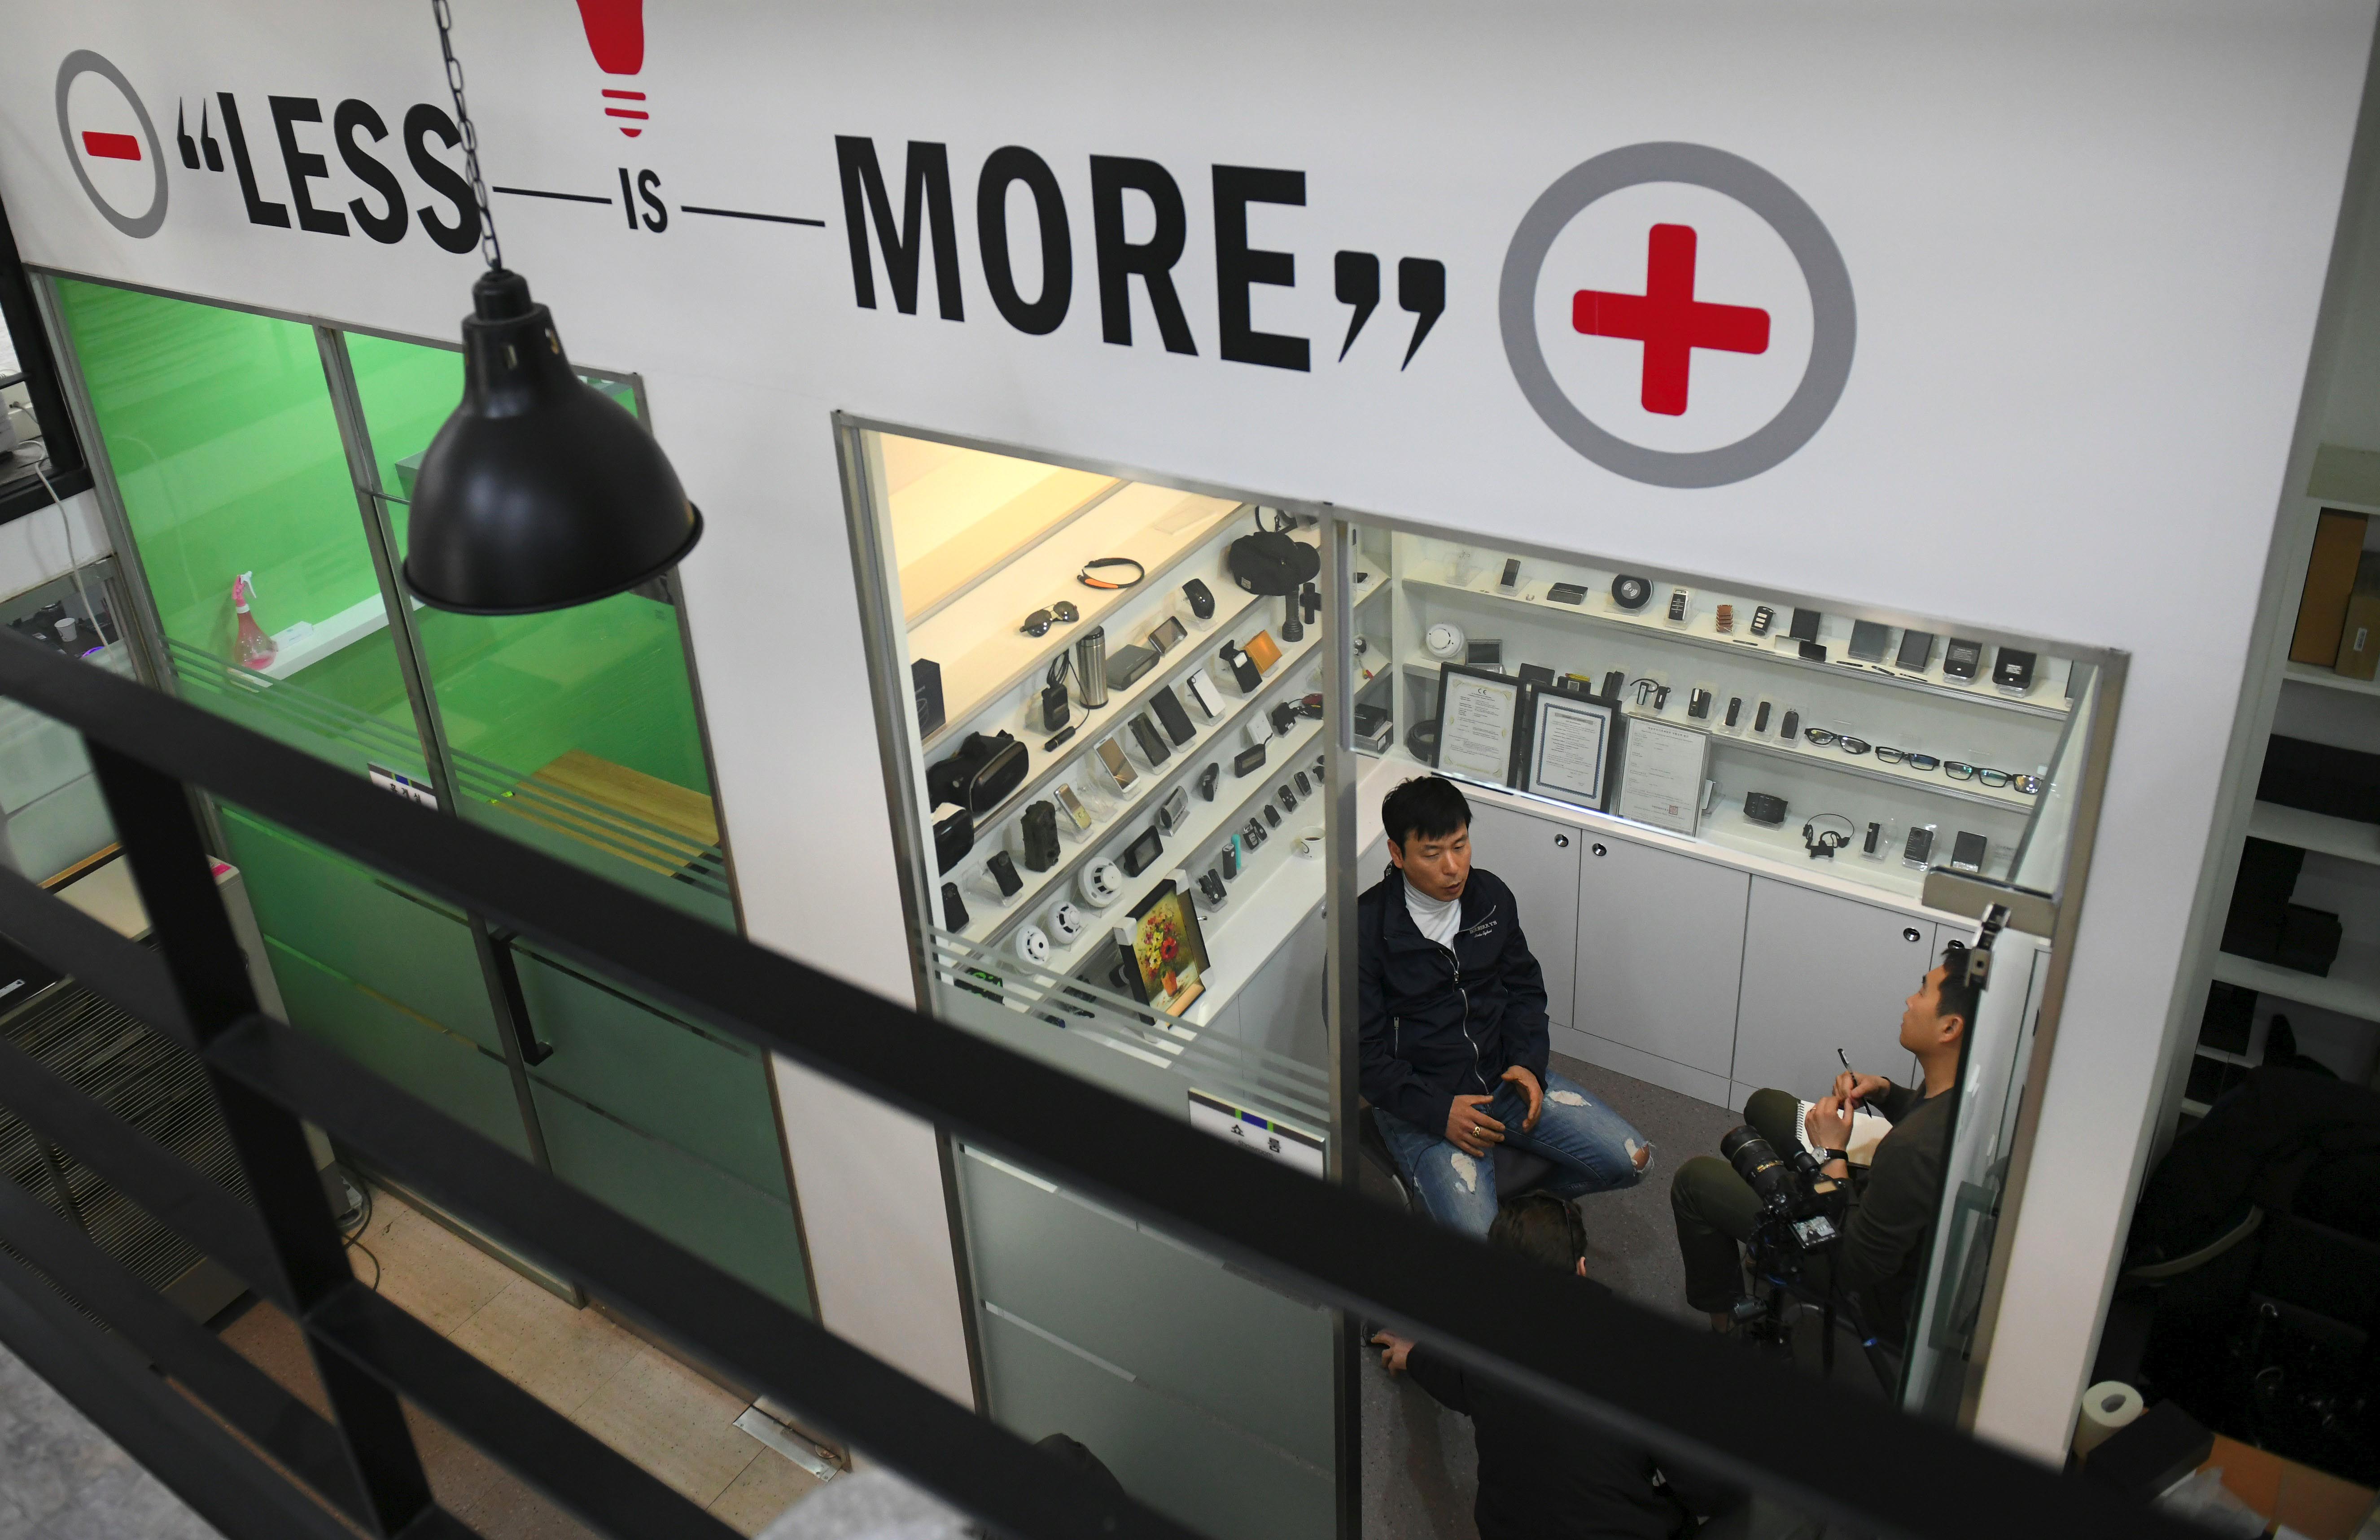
[[539, 491]]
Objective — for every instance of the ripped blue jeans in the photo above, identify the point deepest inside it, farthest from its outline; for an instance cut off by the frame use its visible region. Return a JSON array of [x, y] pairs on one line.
[[1593, 1148]]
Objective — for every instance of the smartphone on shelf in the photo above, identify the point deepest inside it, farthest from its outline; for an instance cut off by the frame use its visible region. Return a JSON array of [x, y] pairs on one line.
[[1119, 769]]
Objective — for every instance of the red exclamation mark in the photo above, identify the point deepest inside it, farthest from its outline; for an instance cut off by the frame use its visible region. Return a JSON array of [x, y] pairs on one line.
[[615, 34]]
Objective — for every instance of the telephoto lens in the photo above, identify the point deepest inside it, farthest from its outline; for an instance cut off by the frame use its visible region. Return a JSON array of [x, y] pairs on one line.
[[1755, 1161]]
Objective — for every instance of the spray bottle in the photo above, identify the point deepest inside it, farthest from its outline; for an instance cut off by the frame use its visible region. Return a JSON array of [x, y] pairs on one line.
[[256, 650]]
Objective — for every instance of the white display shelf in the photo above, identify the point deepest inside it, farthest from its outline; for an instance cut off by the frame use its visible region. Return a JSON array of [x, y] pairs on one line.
[[989, 922], [305, 643], [1156, 526], [1725, 825], [2351, 988], [1700, 630], [1934, 782], [2310, 673], [1190, 850], [1262, 914], [2347, 838]]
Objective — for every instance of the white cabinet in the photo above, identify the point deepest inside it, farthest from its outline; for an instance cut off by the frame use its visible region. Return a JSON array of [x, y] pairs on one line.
[[1538, 859], [1660, 942], [1823, 973], [1280, 1008]]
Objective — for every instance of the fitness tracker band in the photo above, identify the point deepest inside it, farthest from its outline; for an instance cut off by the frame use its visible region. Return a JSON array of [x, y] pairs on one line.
[[1086, 580]]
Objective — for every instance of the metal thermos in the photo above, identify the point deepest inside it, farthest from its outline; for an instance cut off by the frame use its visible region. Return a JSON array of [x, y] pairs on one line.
[[1092, 667]]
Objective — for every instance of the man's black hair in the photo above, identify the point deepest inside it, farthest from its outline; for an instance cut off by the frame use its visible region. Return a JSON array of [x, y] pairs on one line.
[[1959, 998], [1429, 806], [1542, 1227]]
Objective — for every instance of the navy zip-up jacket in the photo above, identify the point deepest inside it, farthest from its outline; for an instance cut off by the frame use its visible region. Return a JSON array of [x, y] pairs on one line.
[[1442, 1022]]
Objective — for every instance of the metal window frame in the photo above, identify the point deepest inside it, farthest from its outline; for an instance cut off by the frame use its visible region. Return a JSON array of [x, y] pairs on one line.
[[1616, 1364], [68, 467]]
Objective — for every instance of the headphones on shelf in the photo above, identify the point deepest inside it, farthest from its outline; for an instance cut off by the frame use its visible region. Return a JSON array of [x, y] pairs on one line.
[[1086, 580], [1821, 843]]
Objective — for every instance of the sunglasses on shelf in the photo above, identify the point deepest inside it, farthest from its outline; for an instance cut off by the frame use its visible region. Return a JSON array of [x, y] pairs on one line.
[[1903, 756], [1822, 736], [1037, 624]]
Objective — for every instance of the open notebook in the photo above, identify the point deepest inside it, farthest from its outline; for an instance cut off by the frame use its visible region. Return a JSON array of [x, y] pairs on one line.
[[1868, 1126]]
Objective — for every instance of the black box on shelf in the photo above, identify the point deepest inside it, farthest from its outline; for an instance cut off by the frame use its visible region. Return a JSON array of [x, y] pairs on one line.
[[2230, 1014], [2319, 778], [925, 678], [2209, 1078], [2259, 895], [2153, 1451], [2309, 939]]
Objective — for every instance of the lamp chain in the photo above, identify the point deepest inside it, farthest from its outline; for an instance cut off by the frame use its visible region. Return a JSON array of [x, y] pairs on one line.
[[488, 244]]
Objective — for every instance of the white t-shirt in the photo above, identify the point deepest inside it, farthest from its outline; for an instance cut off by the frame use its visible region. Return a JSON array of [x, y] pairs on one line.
[[1436, 919]]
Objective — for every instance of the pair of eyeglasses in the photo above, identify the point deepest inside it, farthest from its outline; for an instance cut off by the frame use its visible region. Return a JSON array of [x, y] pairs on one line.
[[1822, 736], [1903, 756], [1995, 779], [1037, 624]]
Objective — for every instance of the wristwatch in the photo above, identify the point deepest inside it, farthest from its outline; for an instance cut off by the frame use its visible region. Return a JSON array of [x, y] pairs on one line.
[[1843, 1155]]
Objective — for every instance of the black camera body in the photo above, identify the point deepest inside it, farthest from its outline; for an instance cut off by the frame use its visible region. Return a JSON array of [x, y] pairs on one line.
[[1802, 1208]]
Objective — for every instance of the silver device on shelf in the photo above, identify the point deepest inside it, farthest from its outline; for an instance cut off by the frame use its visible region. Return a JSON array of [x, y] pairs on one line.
[[1091, 666]]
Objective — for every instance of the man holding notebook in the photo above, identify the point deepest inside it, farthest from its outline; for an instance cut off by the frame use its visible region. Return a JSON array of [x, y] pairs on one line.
[[1880, 1259]]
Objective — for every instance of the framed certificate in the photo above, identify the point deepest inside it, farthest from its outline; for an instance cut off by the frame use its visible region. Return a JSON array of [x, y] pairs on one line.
[[1569, 743], [1661, 775], [1478, 723]]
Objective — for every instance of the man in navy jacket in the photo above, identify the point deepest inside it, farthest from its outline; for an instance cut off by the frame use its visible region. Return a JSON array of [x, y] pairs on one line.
[[1453, 1022]]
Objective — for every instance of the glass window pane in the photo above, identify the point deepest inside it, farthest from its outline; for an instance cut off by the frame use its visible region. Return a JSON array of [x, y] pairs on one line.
[[219, 427], [574, 730]]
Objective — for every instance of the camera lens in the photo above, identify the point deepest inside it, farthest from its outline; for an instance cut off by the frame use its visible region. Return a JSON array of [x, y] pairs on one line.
[[1755, 1161]]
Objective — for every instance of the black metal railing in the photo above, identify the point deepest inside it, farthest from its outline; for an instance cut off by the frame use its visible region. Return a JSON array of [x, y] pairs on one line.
[[1829, 1450]]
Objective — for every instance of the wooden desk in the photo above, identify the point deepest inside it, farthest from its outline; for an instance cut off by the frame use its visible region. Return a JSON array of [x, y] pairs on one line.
[[659, 826], [2318, 1505]]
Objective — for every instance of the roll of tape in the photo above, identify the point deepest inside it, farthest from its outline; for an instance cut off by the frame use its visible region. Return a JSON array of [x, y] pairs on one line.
[[2107, 1406]]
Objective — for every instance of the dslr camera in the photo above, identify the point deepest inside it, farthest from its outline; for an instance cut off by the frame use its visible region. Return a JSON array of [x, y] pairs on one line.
[[1802, 1208]]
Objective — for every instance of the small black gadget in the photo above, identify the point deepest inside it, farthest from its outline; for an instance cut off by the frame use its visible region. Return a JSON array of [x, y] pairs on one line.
[[1676, 604], [1166, 636], [1538, 674], [1511, 573], [953, 836], [1869, 642], [983, 771], [1763, 808], [1805, 625], [2012, 670], [1630, 593], [1248, 761], [1760, 720], [1812, 652], [1967, 852], [1057, 708], [1003, 871], [1284, 717], [925, 682], [1734, 709], [1151, 745], [1916, 651], [1613, 682], [1211, 887], [1310, 706], [1174, 809], [1173, 714], [1919, 848], [1762, 618], [1142, 853], [1254, 835], [1201, 598], [1698, 703], [1304, 787], [1229, 857], [1245, 672], [954, 914], [1207, 778], [1962, 660], [1567, 593], [1041, 826], [1288, 797], [1106, 572], [1485, 652], [1270, 561], [1272, 815], [1127, 663], [1868, 847], [1057, 740], [1790, 728]]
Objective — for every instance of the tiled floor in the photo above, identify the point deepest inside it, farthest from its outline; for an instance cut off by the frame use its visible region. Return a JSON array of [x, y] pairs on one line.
[[670, 1420], [61, 1478]]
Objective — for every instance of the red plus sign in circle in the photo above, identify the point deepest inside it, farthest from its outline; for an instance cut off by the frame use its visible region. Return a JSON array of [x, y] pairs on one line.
[[1668, 319]]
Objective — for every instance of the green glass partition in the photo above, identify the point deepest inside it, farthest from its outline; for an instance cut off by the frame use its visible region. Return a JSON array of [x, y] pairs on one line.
[[574, 730], [219, 428]]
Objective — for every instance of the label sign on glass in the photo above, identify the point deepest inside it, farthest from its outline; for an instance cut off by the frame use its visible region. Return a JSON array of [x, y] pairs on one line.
[[403, 785], [1291, 1147]]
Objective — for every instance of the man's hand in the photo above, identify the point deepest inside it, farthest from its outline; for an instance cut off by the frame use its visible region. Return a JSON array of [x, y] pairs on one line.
[[1829, 1123], [1394, 1351], [1528, 1082], [1860, 1089], [1470, 1129]]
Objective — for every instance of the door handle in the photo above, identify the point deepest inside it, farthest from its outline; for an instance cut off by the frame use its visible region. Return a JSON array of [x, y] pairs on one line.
[[1561, 841], [499, 948], [1909, 933], [1597, 847]]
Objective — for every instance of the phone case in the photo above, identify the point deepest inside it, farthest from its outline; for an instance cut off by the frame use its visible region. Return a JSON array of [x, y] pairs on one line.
[[1262, 650], [1204, 695], [1916, 651], [1961, 659], [1151, 742], [1967, 852], [1920, 846], [1805, 625], [1169, 711]]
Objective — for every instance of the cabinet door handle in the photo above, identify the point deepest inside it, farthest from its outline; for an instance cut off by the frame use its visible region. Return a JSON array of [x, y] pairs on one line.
[[1909, 933], [1597, 847], [1561, 841]]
